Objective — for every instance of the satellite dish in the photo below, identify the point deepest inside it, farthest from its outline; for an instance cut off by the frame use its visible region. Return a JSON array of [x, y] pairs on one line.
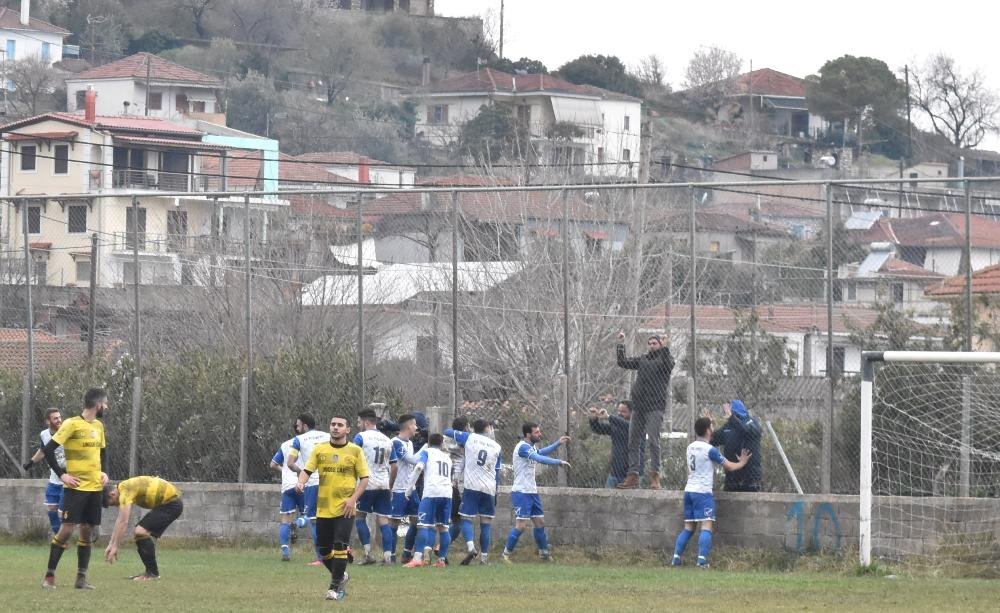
[[829, 160]]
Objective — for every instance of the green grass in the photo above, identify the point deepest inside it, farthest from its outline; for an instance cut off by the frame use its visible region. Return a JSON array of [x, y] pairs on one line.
[[228, 579]]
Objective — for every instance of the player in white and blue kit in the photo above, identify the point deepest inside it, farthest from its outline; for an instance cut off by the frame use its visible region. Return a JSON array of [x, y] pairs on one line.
[[292, 501], [435, 505], [401, 464], [54, 488], [481, 477], [524, 491], [699, 503], [302, 446], [376, 498]]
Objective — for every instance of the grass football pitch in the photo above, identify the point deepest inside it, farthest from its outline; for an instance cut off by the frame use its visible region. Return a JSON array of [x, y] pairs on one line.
[[253, 579]]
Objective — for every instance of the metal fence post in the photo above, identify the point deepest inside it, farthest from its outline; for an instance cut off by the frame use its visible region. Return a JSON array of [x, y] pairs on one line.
[[827, 451], [454, 305], [29, 381], [969, 315], [359, 222], [693, 348], [564, 421], [247, 382], [92, 307], [133, 446]]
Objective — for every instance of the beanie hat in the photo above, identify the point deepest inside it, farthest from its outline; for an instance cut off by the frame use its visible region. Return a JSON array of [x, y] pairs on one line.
[[739, 409]]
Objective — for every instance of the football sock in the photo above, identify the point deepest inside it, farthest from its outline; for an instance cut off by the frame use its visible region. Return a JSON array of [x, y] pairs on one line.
[[285, 534], [56, 550], [147, 553], [512, 539], [55, 521], [455, 530], [410, 540], [364, 534], [338, 566], [82, 556], [445, 543], [704, 544], [468, 534], [388, 538], [682, 541], [485, 538], [541, 539]]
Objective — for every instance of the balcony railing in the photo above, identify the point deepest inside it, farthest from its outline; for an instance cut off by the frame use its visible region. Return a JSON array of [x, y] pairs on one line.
[[161, 180], [171, 244]]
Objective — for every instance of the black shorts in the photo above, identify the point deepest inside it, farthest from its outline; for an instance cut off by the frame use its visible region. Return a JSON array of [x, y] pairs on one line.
[[333, 530], [157, 520], [82, 507], [456, 502]]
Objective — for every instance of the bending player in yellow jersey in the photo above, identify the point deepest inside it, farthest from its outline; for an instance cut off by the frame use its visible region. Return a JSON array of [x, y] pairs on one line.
[[162, 499], [84, 478], [343, 476]]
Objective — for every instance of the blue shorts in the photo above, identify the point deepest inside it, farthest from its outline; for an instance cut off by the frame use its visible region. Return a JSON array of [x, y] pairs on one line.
[[477, 503], [699, 507], [401, 507], [378, 502], [54, 495], [434, 512], [310, 496], [526, 506], [292, 501]]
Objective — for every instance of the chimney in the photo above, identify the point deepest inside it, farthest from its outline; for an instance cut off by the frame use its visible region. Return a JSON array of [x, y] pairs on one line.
[[363, 173], [425, 72], [90, 106], [25, 12]]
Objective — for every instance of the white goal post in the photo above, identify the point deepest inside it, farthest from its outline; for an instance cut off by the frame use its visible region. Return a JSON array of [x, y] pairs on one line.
[[954, 440]]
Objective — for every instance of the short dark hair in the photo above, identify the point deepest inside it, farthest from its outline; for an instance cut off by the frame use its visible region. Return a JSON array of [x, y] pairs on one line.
[[656, 336], [479, 426], [405, 417], [701, 425], [307, 419], [627, 403], [93, 396], [528, 427], [337, 416], [50, 411], [460, 423], [368, 415], [435, 440]]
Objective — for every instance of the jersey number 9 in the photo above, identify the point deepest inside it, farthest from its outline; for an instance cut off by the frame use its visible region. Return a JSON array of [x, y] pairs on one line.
[[481, 457]]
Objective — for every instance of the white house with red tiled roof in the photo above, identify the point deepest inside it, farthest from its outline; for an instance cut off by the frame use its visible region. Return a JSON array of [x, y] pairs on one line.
[[603, 141], [24, 36], [175, 92], [883, 278], [63, 158], [361, 168], [778, 101]]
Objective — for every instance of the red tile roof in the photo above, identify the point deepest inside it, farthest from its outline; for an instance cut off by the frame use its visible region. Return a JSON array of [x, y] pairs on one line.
[[50, 350], [767, 82], [177, 143], [339, 157], [897, 268], [934, 230], [10, 19], [491, 81], [41, 136], [111, 123], [712, 221], [985, 281], [134, 66], [774, 319], [243, 168]]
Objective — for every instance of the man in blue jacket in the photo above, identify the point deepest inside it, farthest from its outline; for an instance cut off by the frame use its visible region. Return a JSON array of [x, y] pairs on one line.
[[741, 431], [616, 426]]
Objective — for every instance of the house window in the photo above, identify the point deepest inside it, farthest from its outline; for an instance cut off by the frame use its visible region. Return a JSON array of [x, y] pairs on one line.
[[627, 123], [81, 98], [439, 114], [198, 106], [40, 268], [852, 290], [34, 220], [181, 103], [83, 270], [77, 220], [524, 115], [897, 293], [128, 273], [11, 50], [28, 157], [765, 158], [46, 52], [344, 4], [600, 155], [60, 154], [626, 155], [155, 101], [135, 232], [713, 247], [913, 184]]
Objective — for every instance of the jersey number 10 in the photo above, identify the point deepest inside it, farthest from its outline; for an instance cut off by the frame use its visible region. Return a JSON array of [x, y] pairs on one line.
[[443, 469]]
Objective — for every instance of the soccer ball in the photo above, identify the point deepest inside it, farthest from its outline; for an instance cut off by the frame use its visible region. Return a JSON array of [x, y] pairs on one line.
[[301, 521]]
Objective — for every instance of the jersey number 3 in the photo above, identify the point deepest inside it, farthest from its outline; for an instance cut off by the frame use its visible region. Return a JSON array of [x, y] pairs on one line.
[[691, 462]]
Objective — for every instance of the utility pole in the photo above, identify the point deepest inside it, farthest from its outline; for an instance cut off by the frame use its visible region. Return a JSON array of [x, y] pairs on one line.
[[500, 53], [147, 85], [750, 92], [92, 307]]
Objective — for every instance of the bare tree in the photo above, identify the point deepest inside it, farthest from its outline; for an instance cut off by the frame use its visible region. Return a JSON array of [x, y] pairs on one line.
[[651, 72], [198, 10], [34, 84], [711, 74], [960, 106]]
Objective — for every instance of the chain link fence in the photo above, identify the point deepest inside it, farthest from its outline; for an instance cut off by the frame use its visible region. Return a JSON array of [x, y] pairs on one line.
[[214, 319]]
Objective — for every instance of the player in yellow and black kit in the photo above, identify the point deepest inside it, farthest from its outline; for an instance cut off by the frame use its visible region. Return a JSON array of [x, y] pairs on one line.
[[163, 500], [84, 477], [343, 476]]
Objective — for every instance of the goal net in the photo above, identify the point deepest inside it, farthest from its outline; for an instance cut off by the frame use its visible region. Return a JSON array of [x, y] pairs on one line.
[[930, 458]]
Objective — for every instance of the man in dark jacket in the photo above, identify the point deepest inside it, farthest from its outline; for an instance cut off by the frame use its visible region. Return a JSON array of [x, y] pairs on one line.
[[615, 426], [649, 401], [740, 432]]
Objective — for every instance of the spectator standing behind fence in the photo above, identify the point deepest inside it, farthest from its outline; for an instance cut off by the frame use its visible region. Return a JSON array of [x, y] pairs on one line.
[[740, 432], [649, 401], [616, 426]]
